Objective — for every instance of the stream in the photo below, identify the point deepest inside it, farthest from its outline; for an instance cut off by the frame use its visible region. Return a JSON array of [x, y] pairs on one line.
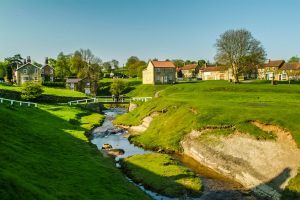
[[216, 186]]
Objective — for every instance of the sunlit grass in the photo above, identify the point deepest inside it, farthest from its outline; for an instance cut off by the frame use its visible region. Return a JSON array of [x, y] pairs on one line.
[[163, 174]]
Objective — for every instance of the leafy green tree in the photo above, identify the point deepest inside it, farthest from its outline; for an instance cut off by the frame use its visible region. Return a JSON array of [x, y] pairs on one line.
[[62, 66], [294, 59], [201, 62], [178, 62], [31, 90], [76, 64], [3, 69], [107, 67], [118, 87], [238, 50], [135, 66]]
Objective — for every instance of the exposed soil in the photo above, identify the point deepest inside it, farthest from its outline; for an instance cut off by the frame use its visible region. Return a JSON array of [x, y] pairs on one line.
[[264, 166]]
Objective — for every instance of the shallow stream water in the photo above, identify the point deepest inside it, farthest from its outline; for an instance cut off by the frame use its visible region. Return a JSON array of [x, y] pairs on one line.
[[215, 185]]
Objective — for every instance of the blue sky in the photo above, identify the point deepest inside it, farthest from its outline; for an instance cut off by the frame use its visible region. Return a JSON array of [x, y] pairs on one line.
[[117, 29]]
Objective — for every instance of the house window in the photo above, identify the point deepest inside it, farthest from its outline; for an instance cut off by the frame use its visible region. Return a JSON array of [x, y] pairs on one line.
[[283, 76], [35, 70], [157, 78], [25, 78], [35, 78], [157, 69], [24, 71]]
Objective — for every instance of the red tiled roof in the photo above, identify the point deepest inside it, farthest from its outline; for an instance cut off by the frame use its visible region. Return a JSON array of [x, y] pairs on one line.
[[214, 68], [291, 66], [189, 67], [274, 63], [161, 64]]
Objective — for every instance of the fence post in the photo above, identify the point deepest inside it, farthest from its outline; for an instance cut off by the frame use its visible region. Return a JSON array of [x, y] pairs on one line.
[[28, 104], [11, 102], [1, 100]]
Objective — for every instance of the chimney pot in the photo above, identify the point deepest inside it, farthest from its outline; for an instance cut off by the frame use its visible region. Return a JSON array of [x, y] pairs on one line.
[[46, 61], [28, 59]]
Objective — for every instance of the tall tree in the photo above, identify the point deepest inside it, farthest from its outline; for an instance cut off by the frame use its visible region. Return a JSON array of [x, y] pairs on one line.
[[294, 59], [3, 69], [238, 50], [135, 66], [62, 66]]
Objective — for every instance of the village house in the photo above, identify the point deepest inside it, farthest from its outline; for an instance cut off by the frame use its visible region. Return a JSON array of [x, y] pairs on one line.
[[159, 72], [270, 70], [28, 72], [47, 71], [190, 71], [80, 84], [215, 72], [290, 71]]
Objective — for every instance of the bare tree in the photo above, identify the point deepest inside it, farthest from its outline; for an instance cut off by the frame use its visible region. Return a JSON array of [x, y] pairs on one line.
[[238, 50]]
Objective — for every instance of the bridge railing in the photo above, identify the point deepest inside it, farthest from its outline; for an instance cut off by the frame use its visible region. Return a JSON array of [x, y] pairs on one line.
[[141, 99], [110, 99], [93, 100], [12, 102]]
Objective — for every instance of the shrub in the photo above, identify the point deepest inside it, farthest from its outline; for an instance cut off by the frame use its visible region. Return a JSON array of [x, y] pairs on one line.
[[31, 90], [118, 87]]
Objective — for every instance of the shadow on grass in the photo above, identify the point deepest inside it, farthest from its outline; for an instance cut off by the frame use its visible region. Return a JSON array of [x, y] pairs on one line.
[[39, 160]]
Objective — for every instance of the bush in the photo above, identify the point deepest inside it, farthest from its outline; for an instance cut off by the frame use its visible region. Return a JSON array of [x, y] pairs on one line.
[[31, 90], [54, 84], [118, 87]]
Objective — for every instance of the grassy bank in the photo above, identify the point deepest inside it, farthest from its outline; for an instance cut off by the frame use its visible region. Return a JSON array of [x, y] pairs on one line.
[[215, 103], [48, 91], [189, 106], [161, 173], [45, 155]]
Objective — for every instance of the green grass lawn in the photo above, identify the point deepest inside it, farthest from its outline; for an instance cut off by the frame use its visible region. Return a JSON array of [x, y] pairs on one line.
[[48, 91], [45, 155], [161, 173], [214, 103]]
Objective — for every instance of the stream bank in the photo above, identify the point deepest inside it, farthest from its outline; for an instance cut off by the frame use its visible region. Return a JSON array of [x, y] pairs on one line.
[[215, 185]]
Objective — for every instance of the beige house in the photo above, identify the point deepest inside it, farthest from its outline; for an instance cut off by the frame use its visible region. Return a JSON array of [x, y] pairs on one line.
[[47, 72], [270, 70], [159, 72], [215, 72], [191, 70], [28, 72], [290, 71]]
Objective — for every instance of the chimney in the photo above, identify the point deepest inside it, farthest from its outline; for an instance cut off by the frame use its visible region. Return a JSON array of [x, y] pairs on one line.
[[24, 61], [28, 59], [269, 60], [46, 61]]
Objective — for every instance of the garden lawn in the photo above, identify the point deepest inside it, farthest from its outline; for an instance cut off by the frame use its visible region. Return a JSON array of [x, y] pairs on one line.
[[45, 155], [161, 173]]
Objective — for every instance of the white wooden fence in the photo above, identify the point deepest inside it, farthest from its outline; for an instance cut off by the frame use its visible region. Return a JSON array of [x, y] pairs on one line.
[[12, 102], [93, 100], [141, 99]]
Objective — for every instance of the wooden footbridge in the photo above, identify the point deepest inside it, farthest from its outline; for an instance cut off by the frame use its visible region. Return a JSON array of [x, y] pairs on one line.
[[110, 100]]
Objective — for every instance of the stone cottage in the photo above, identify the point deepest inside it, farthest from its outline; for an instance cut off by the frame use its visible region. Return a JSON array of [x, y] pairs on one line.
[[28, 72], [159, 72]]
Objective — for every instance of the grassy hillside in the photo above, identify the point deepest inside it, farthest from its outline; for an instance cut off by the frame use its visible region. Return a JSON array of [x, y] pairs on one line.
[[190, 106], [48, 91], [45, 155]]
